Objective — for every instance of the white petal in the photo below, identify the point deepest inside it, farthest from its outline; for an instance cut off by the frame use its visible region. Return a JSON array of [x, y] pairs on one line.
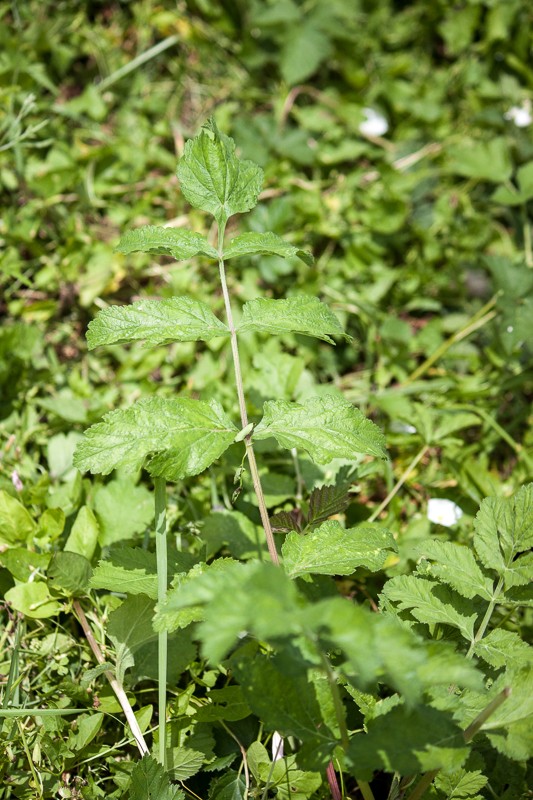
[[520, 115], [375, 123], [277, 746], [443, 512]]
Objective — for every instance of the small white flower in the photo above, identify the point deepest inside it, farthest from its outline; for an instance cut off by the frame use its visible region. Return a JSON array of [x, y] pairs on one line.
[[277, 746], [443, 512], [374, 123], [520, 115]]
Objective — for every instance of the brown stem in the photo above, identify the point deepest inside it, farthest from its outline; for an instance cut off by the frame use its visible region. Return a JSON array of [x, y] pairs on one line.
[[114, 683]]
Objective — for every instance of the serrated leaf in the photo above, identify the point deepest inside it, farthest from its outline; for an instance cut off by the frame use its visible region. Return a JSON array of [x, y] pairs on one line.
[[172, 437], [461, 784], [407, 741], [503, 530], [325, 501], [332, 550], [509, 729], [175, 242], [227, 703], [284, 700], [189, 592], [213, 179], [456, 566], [178, 319], [501, 648], [298, 314], [230, 787], [431, 603], [288, 521], [70, 572], [251, 244], [184, 762], [149, 781], [291, 783], [326, 427], [129, 570]]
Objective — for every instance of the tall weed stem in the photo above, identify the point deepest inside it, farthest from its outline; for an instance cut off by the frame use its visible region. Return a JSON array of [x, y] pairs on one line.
[[242, 405], [160, 488]]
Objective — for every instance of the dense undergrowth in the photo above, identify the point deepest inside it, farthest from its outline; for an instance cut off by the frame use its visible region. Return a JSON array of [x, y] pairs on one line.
[[421, 234]]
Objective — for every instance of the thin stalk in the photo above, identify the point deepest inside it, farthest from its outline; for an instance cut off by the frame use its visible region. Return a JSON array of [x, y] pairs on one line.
[[398, 485], [36, 779], [486, 619], [114, 683], [242, 405], [427, 779], [160, 487], [244, 758], [487, 712], [479, 319], [336, 793], [364, 787], [138, 61]]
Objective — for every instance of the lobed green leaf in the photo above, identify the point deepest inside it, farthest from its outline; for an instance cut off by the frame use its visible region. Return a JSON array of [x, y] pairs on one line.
[[501, 648], [298, 314], [332, 550], [430, 602], [251, 244], [172, 437], [429, 740], [178, 319], [176, 242], [149, 781], [213, 179], [456, 566], [325, 427], [504, 530]]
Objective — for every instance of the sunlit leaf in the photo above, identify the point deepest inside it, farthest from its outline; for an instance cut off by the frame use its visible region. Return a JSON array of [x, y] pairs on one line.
[[456, 566], [178, 319], [213, 179], [325, 427], [173, 437], [298, 314], [176, 242], [431, 602], [149, 781], [332, 550], [503, 531], [251, 244]]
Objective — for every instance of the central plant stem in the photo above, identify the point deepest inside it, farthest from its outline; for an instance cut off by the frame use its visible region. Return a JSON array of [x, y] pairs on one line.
[[242, 405], [160, 491]]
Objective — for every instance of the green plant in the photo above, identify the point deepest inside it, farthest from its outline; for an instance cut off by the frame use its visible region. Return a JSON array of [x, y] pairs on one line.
[[313, 665]]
